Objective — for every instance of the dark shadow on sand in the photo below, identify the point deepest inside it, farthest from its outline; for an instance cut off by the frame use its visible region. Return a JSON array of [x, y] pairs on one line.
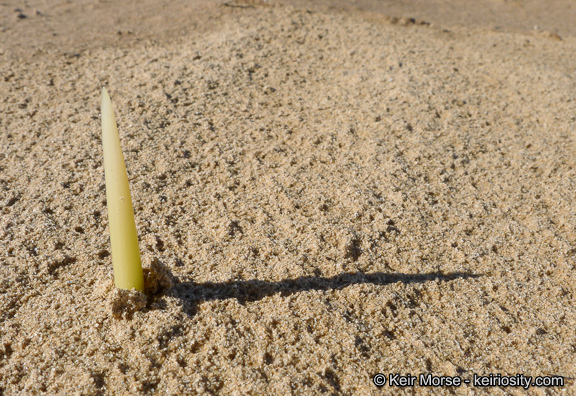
[[252, 290]]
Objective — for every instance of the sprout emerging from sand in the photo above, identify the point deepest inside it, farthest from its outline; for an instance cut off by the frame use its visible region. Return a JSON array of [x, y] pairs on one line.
[[123, 236]]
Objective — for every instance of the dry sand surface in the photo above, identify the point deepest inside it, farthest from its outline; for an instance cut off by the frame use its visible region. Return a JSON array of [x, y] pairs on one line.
[[325, 191]]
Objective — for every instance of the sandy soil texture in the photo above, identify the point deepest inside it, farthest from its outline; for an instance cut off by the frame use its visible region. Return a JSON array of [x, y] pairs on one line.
[[326, 191]]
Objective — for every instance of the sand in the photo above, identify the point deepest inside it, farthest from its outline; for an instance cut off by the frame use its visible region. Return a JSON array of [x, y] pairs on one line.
[[324, 192]]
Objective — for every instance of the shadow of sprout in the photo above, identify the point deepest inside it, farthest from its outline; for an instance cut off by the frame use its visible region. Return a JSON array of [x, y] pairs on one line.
[[192, 294]]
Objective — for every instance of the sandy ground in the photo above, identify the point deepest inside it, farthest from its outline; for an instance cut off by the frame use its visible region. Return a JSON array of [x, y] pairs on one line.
[[333, 190]]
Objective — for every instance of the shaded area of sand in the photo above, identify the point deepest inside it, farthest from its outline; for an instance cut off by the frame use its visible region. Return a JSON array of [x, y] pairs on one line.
[[336, 194], [41, 26]]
